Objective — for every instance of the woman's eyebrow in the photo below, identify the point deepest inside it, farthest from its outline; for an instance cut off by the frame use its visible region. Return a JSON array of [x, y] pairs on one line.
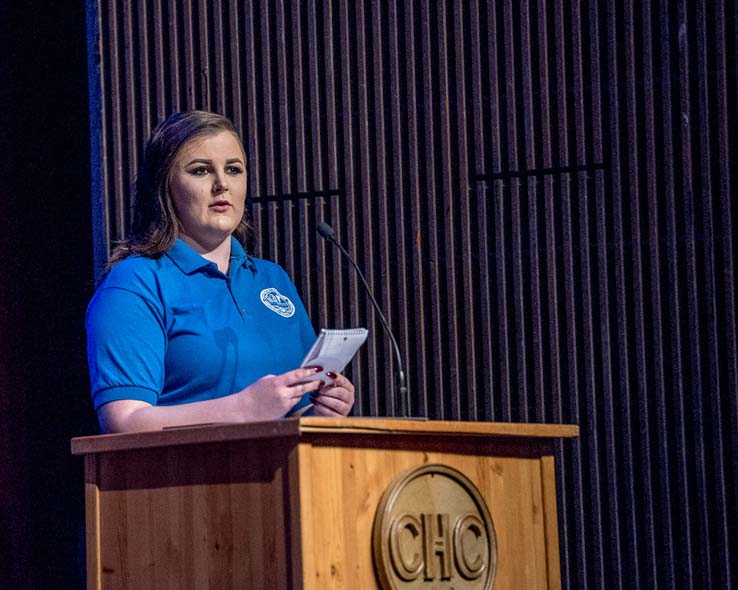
[[199, 161], [208, 161]]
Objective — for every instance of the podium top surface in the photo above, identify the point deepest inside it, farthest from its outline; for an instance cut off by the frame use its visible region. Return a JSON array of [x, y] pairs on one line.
[[306, 426]]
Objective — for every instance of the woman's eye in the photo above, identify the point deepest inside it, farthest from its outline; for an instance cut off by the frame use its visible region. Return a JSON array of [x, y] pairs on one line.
[[199, 171], [234, 170]]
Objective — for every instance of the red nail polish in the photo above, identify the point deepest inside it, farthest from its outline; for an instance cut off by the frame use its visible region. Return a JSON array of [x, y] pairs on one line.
[[318, 369], [331, 374]]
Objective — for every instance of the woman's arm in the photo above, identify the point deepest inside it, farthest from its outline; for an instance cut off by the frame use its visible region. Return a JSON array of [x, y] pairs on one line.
[[269, 398]]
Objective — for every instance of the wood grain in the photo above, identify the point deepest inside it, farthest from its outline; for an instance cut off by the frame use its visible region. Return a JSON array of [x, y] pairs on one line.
[[344, 486], [205, 516], [92, 523], [548, 479], [210, 433], [292, 505]]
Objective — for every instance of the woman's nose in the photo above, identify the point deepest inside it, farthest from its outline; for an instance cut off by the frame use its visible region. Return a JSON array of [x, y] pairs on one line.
[[220, 185]]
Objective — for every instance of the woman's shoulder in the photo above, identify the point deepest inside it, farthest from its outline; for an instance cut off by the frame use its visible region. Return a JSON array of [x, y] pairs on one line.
[[133, 274]]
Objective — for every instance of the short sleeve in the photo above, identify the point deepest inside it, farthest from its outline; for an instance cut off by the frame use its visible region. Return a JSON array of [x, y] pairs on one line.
[[126, 344]]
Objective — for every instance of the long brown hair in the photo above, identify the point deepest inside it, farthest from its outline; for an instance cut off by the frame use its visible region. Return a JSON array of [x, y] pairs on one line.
[[155, 226]]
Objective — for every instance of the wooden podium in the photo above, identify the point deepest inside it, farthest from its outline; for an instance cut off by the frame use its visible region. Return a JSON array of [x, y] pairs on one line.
[[294, 504]]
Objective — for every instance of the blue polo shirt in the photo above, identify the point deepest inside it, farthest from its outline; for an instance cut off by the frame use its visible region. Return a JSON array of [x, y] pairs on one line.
[[177, 330]]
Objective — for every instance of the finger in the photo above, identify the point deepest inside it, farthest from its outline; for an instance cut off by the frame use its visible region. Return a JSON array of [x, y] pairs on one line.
[[300, 375], [336, 392], [334, 404], [297, 390], [322, 408], [340, 380]]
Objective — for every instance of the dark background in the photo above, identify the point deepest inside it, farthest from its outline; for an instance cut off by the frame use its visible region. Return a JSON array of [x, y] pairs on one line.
[[45, 281], [542, 194]]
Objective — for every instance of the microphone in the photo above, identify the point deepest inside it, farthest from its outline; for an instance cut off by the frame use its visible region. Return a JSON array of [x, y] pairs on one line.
[[327, 233]]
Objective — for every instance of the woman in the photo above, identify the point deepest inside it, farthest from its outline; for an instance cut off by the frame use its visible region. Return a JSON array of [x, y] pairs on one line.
[[186, 327]]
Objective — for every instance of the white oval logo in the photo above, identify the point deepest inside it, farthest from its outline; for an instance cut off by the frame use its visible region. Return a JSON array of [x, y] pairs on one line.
[[277, 302]]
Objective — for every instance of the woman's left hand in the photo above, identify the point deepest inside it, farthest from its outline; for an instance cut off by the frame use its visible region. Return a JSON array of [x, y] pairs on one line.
[[335, 399]]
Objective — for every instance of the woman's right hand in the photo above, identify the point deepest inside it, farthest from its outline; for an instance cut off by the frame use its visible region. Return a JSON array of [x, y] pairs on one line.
[[272, 396], [269, 398]]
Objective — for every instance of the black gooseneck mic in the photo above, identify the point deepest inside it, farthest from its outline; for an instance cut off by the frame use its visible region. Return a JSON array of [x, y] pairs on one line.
[[327, 233]]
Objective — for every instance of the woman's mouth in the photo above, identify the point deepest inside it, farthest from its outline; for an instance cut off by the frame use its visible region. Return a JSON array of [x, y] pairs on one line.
[[220, 206]]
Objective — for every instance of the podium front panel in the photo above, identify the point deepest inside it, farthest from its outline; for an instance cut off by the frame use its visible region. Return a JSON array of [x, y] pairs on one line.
[[343, 478], [204, 516], [292, 504]]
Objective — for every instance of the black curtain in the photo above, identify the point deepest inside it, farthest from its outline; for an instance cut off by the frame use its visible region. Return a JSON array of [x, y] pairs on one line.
[[45, 281]]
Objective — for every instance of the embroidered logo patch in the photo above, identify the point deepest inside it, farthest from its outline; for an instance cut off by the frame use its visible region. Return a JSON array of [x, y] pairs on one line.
[[277, 302]]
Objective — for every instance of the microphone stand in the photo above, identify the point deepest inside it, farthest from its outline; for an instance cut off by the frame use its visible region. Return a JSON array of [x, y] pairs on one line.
[[326, 232]]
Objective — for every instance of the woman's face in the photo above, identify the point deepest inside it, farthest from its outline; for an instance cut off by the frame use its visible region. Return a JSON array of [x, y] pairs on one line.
[[208, 185]]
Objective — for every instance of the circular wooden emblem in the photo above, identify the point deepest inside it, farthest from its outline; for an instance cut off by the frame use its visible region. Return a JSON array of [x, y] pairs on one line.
[[432, 529]]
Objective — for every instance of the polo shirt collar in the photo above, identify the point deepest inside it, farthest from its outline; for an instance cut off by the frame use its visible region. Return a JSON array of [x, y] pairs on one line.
[[239, 257], [190, 261], [238, 254]]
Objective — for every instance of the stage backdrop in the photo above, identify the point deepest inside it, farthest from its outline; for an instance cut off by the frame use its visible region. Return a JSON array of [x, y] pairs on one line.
[[541, 194]]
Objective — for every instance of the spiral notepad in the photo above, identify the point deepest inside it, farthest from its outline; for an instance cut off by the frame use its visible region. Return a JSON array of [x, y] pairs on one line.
[[333, 350]]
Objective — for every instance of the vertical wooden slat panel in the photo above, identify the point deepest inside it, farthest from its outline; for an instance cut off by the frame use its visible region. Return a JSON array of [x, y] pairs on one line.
[[130, 90], [348, 222], [398, 229], [517, 320], [677, 397], [202, 76], [697, 320], [650, 370], [159, 73], [336, 204], [433, 279], [252, 141], [534, 340], [420, 381], [304, 252], [627, 153], [552, 245], [478, 215], [657, 538], [445, 217], [571, 470], [704, 289], [264, 70], [117, 158], [314, 58], [469, 361], [539, 193], [593, 54], [147, 86], [311, 174], [379, 142], [496, 192], [189, 65], [268, 66], [328, 83], [100, 172], [217, 76], [723, 29], [698, 559], [284, 211], [362, 191], [175, 57], [234, 85]]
